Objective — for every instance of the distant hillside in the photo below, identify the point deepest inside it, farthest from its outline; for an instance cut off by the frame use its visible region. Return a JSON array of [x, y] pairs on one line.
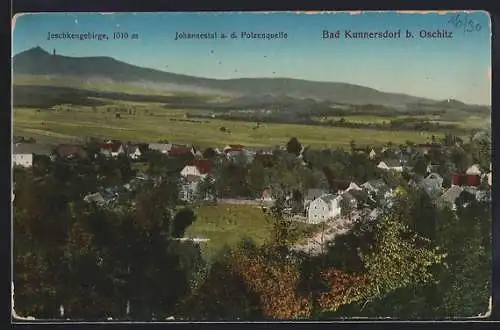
[[37, 61]]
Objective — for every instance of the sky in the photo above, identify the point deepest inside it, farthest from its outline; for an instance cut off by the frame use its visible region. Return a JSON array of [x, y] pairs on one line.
[[453, 68]]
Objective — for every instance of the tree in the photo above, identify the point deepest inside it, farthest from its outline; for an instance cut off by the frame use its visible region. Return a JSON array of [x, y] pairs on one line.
[[293, 146], [256, 179], [182, 220], [420, 164], [206, 189], [209, 153]]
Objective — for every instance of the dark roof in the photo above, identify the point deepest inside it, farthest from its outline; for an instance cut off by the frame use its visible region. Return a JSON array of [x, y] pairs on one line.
[[376, 184], [33, 148], [315, 193], [70, 150], [342, 184], [132, 147]]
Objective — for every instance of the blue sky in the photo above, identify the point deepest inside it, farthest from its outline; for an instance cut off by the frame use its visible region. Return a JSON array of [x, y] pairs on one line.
[[456, 68]]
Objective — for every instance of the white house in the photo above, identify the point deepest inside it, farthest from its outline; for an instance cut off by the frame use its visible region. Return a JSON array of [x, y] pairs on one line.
[[134, 152], [377, 187], [112, 149], [326, 207], [393, 165], [189, 188], [23, 154], [22, 159], [323, 208], [473, 170]]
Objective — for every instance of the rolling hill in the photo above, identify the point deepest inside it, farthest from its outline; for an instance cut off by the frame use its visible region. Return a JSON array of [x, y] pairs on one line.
[[38, 62]]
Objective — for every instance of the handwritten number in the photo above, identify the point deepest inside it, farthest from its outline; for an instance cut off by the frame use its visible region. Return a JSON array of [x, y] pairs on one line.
[[464, 22]]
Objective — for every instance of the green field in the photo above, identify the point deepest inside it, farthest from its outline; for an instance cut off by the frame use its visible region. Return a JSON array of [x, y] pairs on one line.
[[229, 224], [467, 122], [153, 122]]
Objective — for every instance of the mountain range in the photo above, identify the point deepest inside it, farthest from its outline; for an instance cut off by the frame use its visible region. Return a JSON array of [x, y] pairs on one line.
[[38, 62]]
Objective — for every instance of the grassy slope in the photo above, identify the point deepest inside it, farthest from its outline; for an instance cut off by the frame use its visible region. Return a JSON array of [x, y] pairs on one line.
[[229, 224]]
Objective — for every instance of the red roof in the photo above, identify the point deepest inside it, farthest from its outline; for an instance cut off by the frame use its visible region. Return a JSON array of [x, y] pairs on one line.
[[113, 147], [175, 151], [203, 165], [461, 179]]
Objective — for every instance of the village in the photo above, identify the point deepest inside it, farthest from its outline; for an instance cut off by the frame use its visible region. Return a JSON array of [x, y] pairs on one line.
[[197, 173]]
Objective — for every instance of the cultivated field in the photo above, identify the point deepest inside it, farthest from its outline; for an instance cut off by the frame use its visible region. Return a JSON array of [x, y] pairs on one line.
[[152, 122]]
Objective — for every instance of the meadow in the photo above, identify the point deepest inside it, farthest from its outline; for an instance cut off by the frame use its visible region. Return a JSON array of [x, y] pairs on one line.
[[227, 225], [150, 122], [468, 122]]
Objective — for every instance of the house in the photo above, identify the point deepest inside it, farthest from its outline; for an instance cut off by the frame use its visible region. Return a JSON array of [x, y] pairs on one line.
[[199, 168], [391, 164], [473, 170], [112, 149], [164, 148], [327, 207], [322, 209], [377, 188], [450, 196], [133, 151], [461, 179], [353, 186], [23, 158], [188, 189], [372, 154], [71, 151], [95, 198], [312, 194], [192, 175], [25, 154], [432, 184]]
